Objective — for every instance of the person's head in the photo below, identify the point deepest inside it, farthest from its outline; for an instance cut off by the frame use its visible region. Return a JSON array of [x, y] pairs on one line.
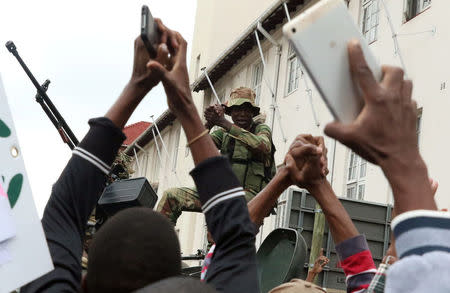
[[134, 248], [177, 285], [297, 286], [241, 107]]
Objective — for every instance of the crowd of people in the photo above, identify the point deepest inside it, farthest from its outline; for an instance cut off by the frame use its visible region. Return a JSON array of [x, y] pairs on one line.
[[138, 249]]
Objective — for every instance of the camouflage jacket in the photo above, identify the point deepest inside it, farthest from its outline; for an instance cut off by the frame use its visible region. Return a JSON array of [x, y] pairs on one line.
[[251, 154]]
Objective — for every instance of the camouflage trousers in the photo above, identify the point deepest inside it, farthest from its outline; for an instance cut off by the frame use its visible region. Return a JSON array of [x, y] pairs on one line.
[[177, 200]]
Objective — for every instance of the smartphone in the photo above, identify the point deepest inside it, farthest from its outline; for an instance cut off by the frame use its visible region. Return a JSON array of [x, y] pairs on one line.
[[319, 37], [149, 31]]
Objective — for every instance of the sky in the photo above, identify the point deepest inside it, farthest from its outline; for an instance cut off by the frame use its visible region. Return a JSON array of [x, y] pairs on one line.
[[86, 49]]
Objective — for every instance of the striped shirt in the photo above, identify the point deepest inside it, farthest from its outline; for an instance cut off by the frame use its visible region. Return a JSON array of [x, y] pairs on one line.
[[357, 263], [422, 241]]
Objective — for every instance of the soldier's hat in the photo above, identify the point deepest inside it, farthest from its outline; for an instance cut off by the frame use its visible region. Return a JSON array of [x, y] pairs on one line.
[[240, 96]]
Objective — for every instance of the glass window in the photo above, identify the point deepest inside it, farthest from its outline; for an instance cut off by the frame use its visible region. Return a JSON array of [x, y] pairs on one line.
[[356, 177], [414, 7], [361, 188], [294, 73], [370, 20]]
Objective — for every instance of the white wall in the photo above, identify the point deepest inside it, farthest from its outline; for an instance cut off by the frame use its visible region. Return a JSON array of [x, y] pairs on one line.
[[218, 23]]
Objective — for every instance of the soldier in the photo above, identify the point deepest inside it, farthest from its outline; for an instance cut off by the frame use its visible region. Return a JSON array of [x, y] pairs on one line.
[[246, 143]]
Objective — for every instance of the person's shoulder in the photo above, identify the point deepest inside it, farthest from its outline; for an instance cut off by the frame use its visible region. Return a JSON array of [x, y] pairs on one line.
[[263, 127]]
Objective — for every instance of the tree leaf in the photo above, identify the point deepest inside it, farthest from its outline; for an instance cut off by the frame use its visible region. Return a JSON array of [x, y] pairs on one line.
[[4, 129], [14, 189]]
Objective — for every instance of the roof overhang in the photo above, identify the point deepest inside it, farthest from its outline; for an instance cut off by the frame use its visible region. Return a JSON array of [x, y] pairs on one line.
[[273, 16]]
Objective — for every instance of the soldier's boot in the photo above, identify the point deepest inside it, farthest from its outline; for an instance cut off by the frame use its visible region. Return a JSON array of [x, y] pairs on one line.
[[176, 200]]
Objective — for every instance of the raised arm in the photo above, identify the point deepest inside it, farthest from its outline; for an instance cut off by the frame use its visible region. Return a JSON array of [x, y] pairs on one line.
[[261, 205], [82, 181], [352, 248], [385, 134], [234, 262]]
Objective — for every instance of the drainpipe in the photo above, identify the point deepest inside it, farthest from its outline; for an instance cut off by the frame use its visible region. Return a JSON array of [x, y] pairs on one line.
[[275, 86]]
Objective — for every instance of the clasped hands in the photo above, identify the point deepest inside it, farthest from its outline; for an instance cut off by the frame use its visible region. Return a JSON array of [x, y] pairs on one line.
[[215, 116], [306, 163]]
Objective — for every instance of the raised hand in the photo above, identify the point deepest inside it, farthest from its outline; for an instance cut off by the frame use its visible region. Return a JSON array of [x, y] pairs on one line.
[[215, 115], [142, 76], [306, 161], [386, 127], [384, 133], [320, 263]]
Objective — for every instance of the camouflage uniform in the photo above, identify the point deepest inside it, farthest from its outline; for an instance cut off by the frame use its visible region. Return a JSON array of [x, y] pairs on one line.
[[251, 154]]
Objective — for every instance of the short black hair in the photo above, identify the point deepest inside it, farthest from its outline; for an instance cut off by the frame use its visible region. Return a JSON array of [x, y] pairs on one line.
[[178, 285], [134, 248]]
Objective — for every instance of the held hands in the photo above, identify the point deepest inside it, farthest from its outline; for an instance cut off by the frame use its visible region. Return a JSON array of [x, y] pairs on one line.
[[142, 77], [306, 161], [385, 130]]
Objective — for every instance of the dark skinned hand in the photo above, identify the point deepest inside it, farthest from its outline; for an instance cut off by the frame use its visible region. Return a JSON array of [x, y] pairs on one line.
[[306, 161], [386, 127], [215, 115], [320, 263], [142, 76]]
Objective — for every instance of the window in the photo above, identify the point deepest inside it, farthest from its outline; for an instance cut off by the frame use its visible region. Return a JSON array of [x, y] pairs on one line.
[[370, 17], [294, 70], [414, 7], [257, 80], [356, 176]]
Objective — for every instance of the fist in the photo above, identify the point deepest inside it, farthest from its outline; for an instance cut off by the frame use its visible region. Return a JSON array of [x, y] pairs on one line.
[[306, 161]]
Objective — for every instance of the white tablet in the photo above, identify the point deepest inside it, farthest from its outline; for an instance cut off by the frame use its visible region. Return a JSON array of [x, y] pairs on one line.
[[320, 36]]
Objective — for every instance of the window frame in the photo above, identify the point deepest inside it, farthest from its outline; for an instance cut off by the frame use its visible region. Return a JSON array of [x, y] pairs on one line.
[[256, 84], [367, 21], [355, 180], [416, 7], [291, 59]]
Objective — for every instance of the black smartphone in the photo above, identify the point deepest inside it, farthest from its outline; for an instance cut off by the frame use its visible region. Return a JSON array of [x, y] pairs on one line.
[[149, 31]]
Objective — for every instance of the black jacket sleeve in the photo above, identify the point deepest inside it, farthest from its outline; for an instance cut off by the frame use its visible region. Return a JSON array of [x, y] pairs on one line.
[[233, 266], [73, 198]]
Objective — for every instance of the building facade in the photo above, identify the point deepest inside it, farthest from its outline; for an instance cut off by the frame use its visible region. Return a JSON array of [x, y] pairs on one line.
[[225, 43]]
